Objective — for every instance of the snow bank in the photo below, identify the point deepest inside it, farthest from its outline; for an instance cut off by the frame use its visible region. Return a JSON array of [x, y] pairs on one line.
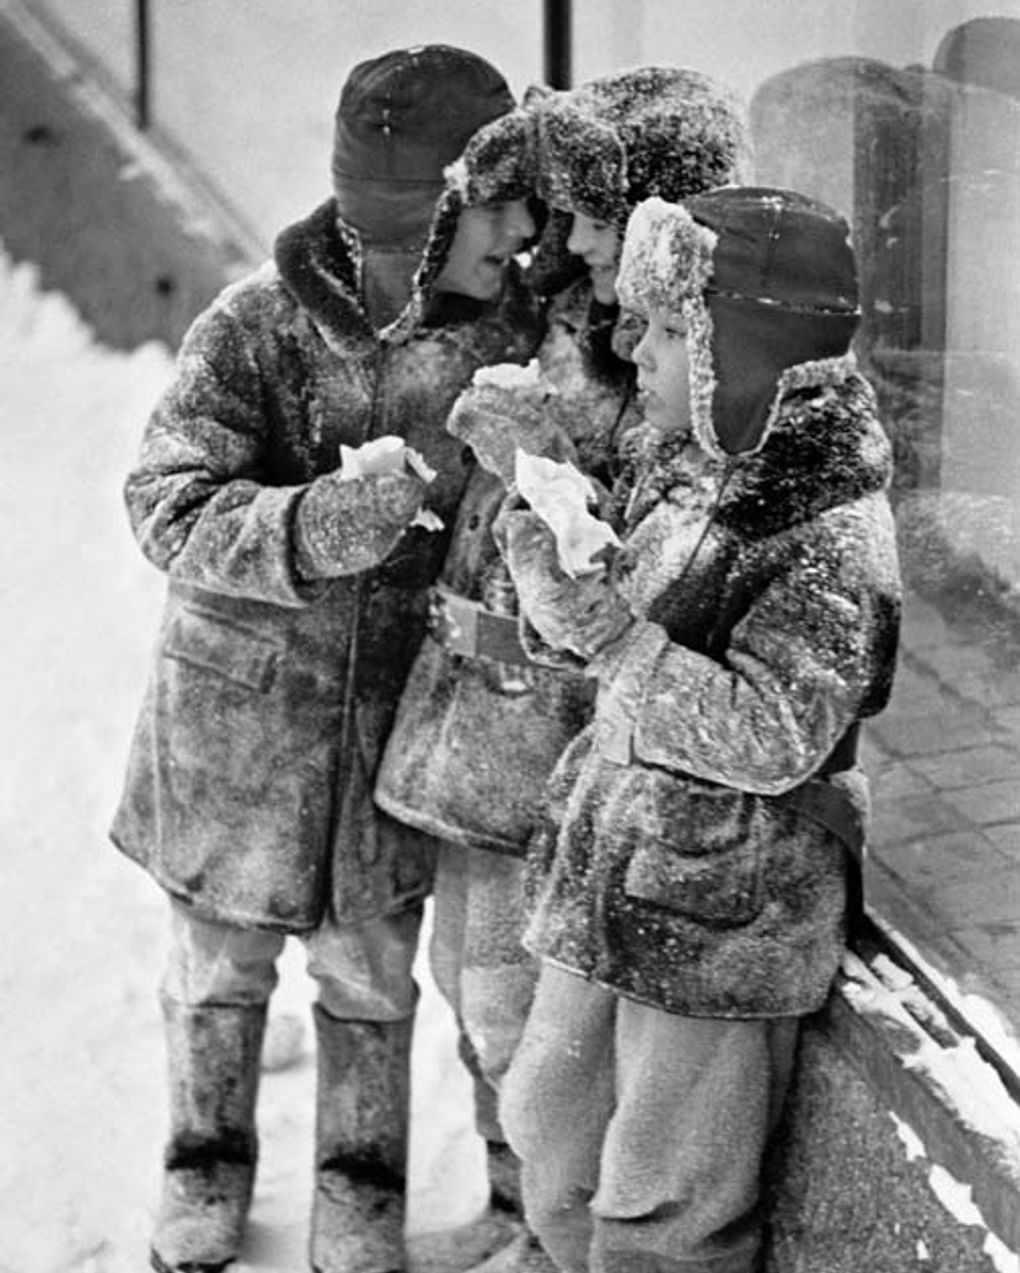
[[82, 931]]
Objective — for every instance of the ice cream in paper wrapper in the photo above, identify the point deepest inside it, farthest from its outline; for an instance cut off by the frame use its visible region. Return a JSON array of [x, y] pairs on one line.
[[560, 495], [388, 454], [507, 406]]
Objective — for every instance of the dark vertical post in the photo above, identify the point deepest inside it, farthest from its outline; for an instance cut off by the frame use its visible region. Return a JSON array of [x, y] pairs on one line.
[[558, 41], [142, 63]]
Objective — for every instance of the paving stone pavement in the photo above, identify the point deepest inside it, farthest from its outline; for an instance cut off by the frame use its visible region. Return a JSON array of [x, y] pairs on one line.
[[944, 761]]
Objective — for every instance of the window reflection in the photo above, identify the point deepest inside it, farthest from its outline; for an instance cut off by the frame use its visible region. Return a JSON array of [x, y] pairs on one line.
[[927, 163]]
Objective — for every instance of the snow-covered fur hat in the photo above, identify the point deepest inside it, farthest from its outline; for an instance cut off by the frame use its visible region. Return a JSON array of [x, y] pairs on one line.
[[619, 139], [497, 166], [766, 282]]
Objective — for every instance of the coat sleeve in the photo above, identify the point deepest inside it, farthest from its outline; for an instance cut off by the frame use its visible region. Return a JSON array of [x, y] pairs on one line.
[[798, 667], [195, 498]]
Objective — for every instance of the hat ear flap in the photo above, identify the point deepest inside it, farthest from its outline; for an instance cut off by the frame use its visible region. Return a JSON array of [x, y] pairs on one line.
[[437, 248], [582, 161]]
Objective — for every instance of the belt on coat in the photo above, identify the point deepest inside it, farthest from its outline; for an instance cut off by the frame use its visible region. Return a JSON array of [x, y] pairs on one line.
[[473, 631], [829, 806]]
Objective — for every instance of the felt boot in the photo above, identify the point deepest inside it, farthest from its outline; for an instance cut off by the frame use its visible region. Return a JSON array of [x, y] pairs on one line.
[[209, 1161], [361, 1128]]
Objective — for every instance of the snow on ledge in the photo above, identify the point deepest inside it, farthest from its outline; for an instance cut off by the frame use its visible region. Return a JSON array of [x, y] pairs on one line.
[[967, 1085], [958, 1200], [981, 1015]]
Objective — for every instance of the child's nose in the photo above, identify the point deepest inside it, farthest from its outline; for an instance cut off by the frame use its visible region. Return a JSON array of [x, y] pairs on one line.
[[520, 224], [578, 240]]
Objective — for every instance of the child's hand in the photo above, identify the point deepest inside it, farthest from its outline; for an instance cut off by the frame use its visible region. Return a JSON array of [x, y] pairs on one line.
[[582, 614], [560, 494], [388, 456], [346, 525], [495, 418]]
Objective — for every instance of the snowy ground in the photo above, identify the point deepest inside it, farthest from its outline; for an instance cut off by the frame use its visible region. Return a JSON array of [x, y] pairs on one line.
[[82, 931]]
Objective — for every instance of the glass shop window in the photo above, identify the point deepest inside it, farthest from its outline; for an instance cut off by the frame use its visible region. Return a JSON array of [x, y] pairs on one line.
[[906, 116], [932, 179]]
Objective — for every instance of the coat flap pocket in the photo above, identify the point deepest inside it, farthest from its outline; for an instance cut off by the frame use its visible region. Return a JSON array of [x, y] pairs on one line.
[[217, 644], [721, 888]]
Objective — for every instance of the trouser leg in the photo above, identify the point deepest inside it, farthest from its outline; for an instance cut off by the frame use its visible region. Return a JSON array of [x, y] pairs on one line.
[[484, 974], [557, 1099], [642, 1132], [680, 1167], [214, 1005], [488, 979]]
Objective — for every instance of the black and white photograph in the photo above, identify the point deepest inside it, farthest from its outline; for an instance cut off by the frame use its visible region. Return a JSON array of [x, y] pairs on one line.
[[510, 712]]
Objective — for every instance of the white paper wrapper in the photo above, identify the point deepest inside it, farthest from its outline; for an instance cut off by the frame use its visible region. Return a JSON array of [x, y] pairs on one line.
[[388, 454], [560, 495], [510, 375]]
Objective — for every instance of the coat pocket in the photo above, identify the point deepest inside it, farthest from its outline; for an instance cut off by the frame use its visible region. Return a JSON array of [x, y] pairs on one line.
[[203, 639], [721, 886]]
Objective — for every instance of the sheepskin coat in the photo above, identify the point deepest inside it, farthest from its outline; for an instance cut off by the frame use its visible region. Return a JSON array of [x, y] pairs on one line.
[[676, 863], [248, 788], [467, 760]]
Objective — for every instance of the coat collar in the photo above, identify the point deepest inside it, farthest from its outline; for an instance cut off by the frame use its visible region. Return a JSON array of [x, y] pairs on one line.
[[319, 260], [825, 447]]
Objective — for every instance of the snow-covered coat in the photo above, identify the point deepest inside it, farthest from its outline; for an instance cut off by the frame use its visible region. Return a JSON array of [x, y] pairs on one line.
[[698, 844], [248, 789], [476, 738], [690, 870], [474, 742]]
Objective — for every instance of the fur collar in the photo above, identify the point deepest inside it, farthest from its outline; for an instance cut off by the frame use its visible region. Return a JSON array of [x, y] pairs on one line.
[[826, 447], [319, 260]]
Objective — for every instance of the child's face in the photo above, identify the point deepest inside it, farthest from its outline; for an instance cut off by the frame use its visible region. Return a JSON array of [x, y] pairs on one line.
[[488, 235], [597, 243], [664, 371]]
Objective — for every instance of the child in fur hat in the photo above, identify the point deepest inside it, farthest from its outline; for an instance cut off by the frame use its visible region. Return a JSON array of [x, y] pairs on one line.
[[297, 598], [480, 727], [689, 884]]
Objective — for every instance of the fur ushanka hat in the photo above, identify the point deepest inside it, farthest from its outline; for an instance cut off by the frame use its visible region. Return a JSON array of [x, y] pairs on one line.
[[619, 139], [401, 119], [766, 282]]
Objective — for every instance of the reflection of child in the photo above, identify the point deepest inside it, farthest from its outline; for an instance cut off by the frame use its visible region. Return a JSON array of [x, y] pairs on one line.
[[690, 900]]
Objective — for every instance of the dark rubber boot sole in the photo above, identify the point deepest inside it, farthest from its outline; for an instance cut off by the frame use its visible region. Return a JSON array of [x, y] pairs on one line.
[[190, 1266]]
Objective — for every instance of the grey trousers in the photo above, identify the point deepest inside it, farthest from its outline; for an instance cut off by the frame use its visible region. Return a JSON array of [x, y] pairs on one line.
[[363, 970], [479, 965], [641, 1132]]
